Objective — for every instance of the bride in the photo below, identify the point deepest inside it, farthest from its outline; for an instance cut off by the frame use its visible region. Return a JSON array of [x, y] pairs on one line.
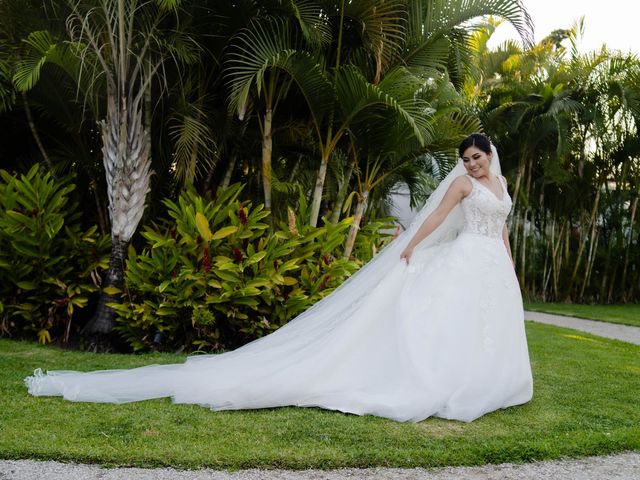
[[432, 326]]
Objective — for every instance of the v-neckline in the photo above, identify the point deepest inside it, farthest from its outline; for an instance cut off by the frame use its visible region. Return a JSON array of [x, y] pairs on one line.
[[489, 190]]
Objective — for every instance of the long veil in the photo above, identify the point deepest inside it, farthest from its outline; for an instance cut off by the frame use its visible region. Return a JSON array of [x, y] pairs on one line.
[[275, 369]]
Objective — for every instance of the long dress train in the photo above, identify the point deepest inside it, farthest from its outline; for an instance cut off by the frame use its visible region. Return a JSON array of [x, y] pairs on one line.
[[442, 336]]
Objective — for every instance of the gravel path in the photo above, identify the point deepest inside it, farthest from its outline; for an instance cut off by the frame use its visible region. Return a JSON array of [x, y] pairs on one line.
[[622, 466], [626, 333]]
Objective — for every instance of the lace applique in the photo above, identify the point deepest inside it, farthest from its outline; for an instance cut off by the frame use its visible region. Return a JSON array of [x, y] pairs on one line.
[[484, 212]]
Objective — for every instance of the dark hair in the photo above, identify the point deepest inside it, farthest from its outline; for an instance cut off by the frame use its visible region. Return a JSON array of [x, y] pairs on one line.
[[478, 140]]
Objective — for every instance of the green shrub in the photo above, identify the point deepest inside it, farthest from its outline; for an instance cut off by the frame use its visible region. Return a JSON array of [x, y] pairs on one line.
[[213, 277], [48, 264]]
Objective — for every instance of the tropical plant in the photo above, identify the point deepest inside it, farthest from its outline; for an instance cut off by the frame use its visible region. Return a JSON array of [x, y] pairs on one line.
[[212, 277], [49, 265], [424, 35], [117, 49], [266, 58], [566, 124], [391, 153], [340, 81]]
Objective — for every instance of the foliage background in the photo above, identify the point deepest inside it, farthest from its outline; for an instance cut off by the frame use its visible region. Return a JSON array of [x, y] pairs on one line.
[[316, 111]]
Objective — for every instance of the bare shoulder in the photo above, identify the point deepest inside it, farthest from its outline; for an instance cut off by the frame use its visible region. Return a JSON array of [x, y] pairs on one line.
[[504, 179], [462, 185]]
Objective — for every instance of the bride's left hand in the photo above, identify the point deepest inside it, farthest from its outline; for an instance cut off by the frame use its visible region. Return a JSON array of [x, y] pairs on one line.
[[406, 254]]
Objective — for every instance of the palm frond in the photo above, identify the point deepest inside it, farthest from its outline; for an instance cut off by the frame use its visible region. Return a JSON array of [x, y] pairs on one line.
[[382, 28], [267, 45], [432, 19], [7, 92], [194, 145], [44, 49], [171, 5], [311, 21], [357, 95]]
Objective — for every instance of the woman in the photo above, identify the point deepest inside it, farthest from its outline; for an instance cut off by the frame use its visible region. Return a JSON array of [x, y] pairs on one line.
[[432, 326]]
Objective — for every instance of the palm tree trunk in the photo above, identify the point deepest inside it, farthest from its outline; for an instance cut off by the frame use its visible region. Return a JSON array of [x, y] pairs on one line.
[[517, 214], [317, 192], [294, 170], [548, 242], [342, 193], [634, 206], [523, 247], [102, 323], [609, 234], [518, 182], [515, 232], [612, 283], [594, 212], [267, 150], [128, 170], [355, 226], [148, 113], [324, 162], [523, 251], [227, 175], [559, 256], [593, 245]]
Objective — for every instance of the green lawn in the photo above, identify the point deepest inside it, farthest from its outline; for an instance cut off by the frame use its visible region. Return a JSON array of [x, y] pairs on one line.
[[585, 402], [624, 314]]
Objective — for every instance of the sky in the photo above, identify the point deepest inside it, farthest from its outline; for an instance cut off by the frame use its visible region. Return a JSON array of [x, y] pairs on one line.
[[614, 22]]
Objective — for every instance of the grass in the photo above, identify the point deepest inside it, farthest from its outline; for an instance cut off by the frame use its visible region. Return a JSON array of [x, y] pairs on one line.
[[585, 402], [623, 314]]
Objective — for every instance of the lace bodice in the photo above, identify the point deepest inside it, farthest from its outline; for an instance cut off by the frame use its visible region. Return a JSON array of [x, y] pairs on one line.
[[484, 213]]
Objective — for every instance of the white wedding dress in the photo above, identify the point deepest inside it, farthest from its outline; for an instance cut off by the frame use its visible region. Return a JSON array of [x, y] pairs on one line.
[[443, 336]]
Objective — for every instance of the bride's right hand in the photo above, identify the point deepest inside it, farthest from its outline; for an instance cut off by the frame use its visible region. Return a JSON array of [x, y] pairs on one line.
[[406, 254]]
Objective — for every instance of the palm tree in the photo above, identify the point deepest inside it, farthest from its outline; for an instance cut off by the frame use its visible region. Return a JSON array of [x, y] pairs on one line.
[[565, 123], [423, 34], [390, 150], [116, 53], [263, 62]]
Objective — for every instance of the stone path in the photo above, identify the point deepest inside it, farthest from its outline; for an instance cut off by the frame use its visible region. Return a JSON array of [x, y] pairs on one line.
[[625, 333], [624, 466]]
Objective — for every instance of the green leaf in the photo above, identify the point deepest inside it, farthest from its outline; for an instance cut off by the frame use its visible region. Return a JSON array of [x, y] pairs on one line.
[[228, 276], [112, 291], [163, 286], [255, 258], [348, 201], [249, 291], [260, 282], [203, 227], [222, 259], [26, 285], [224, 232], [248, 301], [164, 311]]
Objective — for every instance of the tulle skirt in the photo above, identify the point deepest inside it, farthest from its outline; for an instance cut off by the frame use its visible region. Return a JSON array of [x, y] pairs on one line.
[[443, 336]]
